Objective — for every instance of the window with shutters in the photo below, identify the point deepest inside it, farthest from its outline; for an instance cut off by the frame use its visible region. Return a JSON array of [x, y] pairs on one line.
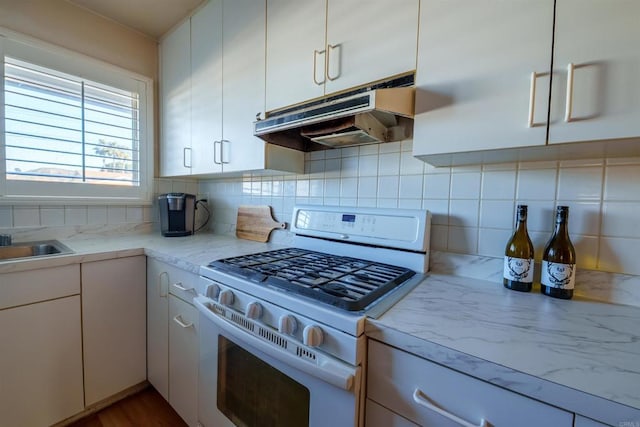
[[73, 127]]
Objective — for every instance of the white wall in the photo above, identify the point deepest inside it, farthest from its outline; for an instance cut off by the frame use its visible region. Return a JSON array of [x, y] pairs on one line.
[[473, 207]]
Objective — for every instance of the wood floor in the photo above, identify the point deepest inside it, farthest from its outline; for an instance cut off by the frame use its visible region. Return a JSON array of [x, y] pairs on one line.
[[146, 408]]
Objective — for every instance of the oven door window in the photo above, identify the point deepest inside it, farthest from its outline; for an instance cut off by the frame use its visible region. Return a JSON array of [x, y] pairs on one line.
[[252, 393]]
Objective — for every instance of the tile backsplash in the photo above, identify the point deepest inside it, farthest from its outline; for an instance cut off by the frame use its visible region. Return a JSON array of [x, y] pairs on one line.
[[473, 206]]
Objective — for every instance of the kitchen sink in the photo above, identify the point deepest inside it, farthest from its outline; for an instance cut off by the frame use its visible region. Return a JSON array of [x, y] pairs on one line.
[[33, 249]]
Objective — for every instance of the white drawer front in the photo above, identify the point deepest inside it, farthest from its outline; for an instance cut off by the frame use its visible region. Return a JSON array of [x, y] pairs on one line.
[[379, 416], [394, 376], [26, 287], [180, 283]]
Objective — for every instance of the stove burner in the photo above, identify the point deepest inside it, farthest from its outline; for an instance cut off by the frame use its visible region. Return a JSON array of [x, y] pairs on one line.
[[345, 282]]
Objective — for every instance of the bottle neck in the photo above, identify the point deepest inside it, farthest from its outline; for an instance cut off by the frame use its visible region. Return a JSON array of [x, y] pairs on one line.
[[561, 226]]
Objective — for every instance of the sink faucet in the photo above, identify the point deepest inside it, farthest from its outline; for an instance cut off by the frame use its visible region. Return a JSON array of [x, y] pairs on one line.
[[5, 239]]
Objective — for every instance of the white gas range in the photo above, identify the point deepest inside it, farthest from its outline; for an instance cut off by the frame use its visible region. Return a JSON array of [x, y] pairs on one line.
[[285, 328]]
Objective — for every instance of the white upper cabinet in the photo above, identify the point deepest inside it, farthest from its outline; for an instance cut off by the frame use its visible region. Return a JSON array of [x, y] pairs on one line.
[[369, 40], [318, 47], [295, 43], [474, 78], [601, 40], [206, 88], [175, 106], [484, 70]]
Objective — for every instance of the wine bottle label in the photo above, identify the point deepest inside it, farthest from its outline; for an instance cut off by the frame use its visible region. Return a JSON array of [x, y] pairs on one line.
[[557, 275], [518, 269]]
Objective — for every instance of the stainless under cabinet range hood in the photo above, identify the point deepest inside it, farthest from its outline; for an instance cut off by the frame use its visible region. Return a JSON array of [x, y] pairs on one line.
[[368, 116]]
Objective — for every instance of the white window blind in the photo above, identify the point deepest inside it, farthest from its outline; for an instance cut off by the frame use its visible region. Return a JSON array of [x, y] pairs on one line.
[[61, 128]]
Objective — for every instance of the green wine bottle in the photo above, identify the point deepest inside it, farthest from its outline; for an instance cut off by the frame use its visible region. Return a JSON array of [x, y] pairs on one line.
[[518, 256], [558, 274]]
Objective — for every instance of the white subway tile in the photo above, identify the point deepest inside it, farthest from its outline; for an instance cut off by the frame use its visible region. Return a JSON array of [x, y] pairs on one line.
[[623, 161], [347, 201], [439, 237], [388, 187], [164, 186], [580, 163], [331, 188], [75, 215], [333, 153], [499, 167], [349, 152], [348, 188], [27, 216], [51, 216], [314, 167], [439, 211], [349, 166], [389, 164], [266, 188], [429, 169], [544, 164], [499, 185], [493, 241], [539, 184], [302, 188], [191, 187], [436, 186], [367, 203], [116, 214], [463, 213], [497, 214], [134, 214], [410, 203], [407, 145], [332, 201], [367, 187], [622, 183], [540, 216], [370, 149], [368, 166], [178, 186], [619, 255], [390, 147], [463, 240], [96, 215], [317, 155], [620, 219], [580, 183], [316, 188], [6, 216], [277, 188], [387, 203], [584, 217], [332, 168], [409, 165], [586, 251], [411, 187], [465, 185]]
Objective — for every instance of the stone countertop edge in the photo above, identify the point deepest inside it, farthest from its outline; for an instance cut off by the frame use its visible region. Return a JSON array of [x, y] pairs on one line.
[[590, 366]]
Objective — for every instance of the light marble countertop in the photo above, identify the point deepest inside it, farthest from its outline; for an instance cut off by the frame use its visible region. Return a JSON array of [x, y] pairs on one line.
[[580, 355]]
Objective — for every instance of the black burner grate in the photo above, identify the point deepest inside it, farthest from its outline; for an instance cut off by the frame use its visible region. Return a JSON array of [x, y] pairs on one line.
[[348, 283]]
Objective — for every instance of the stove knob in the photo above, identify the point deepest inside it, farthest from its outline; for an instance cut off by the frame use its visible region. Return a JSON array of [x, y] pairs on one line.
[[253, 310], [312, 336], [226, 297], [287, 324], [212, 291]]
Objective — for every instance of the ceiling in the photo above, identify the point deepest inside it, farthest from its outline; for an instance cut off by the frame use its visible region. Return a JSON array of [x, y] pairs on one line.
[[150, 17]]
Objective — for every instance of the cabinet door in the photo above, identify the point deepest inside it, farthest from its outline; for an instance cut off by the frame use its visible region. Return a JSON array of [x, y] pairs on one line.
[[600, 38], [206, 88], [379, 416], [113, 326], [158, 326], [295, 43], [175, 96], [475, 62], [588, 422], [369, 40], [183, 359], [40, 363], [412, 387]]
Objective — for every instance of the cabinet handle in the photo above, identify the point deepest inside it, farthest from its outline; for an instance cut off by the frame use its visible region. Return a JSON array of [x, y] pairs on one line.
[[160, 293], [185, 157], [222, 151], [569, 107], [181, 322], [330, 48], [532, 98], [315, 65], [183, 289], [215, 152], [423, 400]]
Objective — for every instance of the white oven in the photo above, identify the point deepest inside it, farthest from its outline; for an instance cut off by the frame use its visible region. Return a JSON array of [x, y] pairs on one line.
[[282, 331], [255, 377]]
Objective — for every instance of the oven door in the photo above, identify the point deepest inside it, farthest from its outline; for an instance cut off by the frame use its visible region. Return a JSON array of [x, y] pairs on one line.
[[246, 380]]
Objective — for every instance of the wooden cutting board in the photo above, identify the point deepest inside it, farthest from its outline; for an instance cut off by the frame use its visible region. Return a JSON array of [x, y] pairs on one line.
[[256, 223]]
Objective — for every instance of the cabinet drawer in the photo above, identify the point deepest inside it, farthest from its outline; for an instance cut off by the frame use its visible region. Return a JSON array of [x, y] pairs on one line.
[[26, 287], [398, 380], [379, 416], [175, 281]]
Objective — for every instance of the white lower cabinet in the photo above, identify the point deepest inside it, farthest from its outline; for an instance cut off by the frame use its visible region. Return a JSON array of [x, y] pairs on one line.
[[172, 337], [113, 326], [429, 394], [40, 362], [588, 422], [379, 416]]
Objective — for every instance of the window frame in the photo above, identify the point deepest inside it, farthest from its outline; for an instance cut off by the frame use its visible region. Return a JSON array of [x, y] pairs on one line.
[[76, 64]]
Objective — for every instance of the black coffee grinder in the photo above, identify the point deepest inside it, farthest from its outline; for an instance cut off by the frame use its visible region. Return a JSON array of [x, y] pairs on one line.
[[177, 214]]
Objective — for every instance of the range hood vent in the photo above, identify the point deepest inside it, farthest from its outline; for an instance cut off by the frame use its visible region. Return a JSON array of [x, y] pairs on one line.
[[365, 116]]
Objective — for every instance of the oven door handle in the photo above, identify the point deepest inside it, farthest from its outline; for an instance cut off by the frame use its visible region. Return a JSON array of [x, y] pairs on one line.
[[327, 369]]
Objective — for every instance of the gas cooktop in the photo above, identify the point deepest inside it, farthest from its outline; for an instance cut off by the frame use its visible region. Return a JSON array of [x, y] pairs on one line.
[[344, 282]]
